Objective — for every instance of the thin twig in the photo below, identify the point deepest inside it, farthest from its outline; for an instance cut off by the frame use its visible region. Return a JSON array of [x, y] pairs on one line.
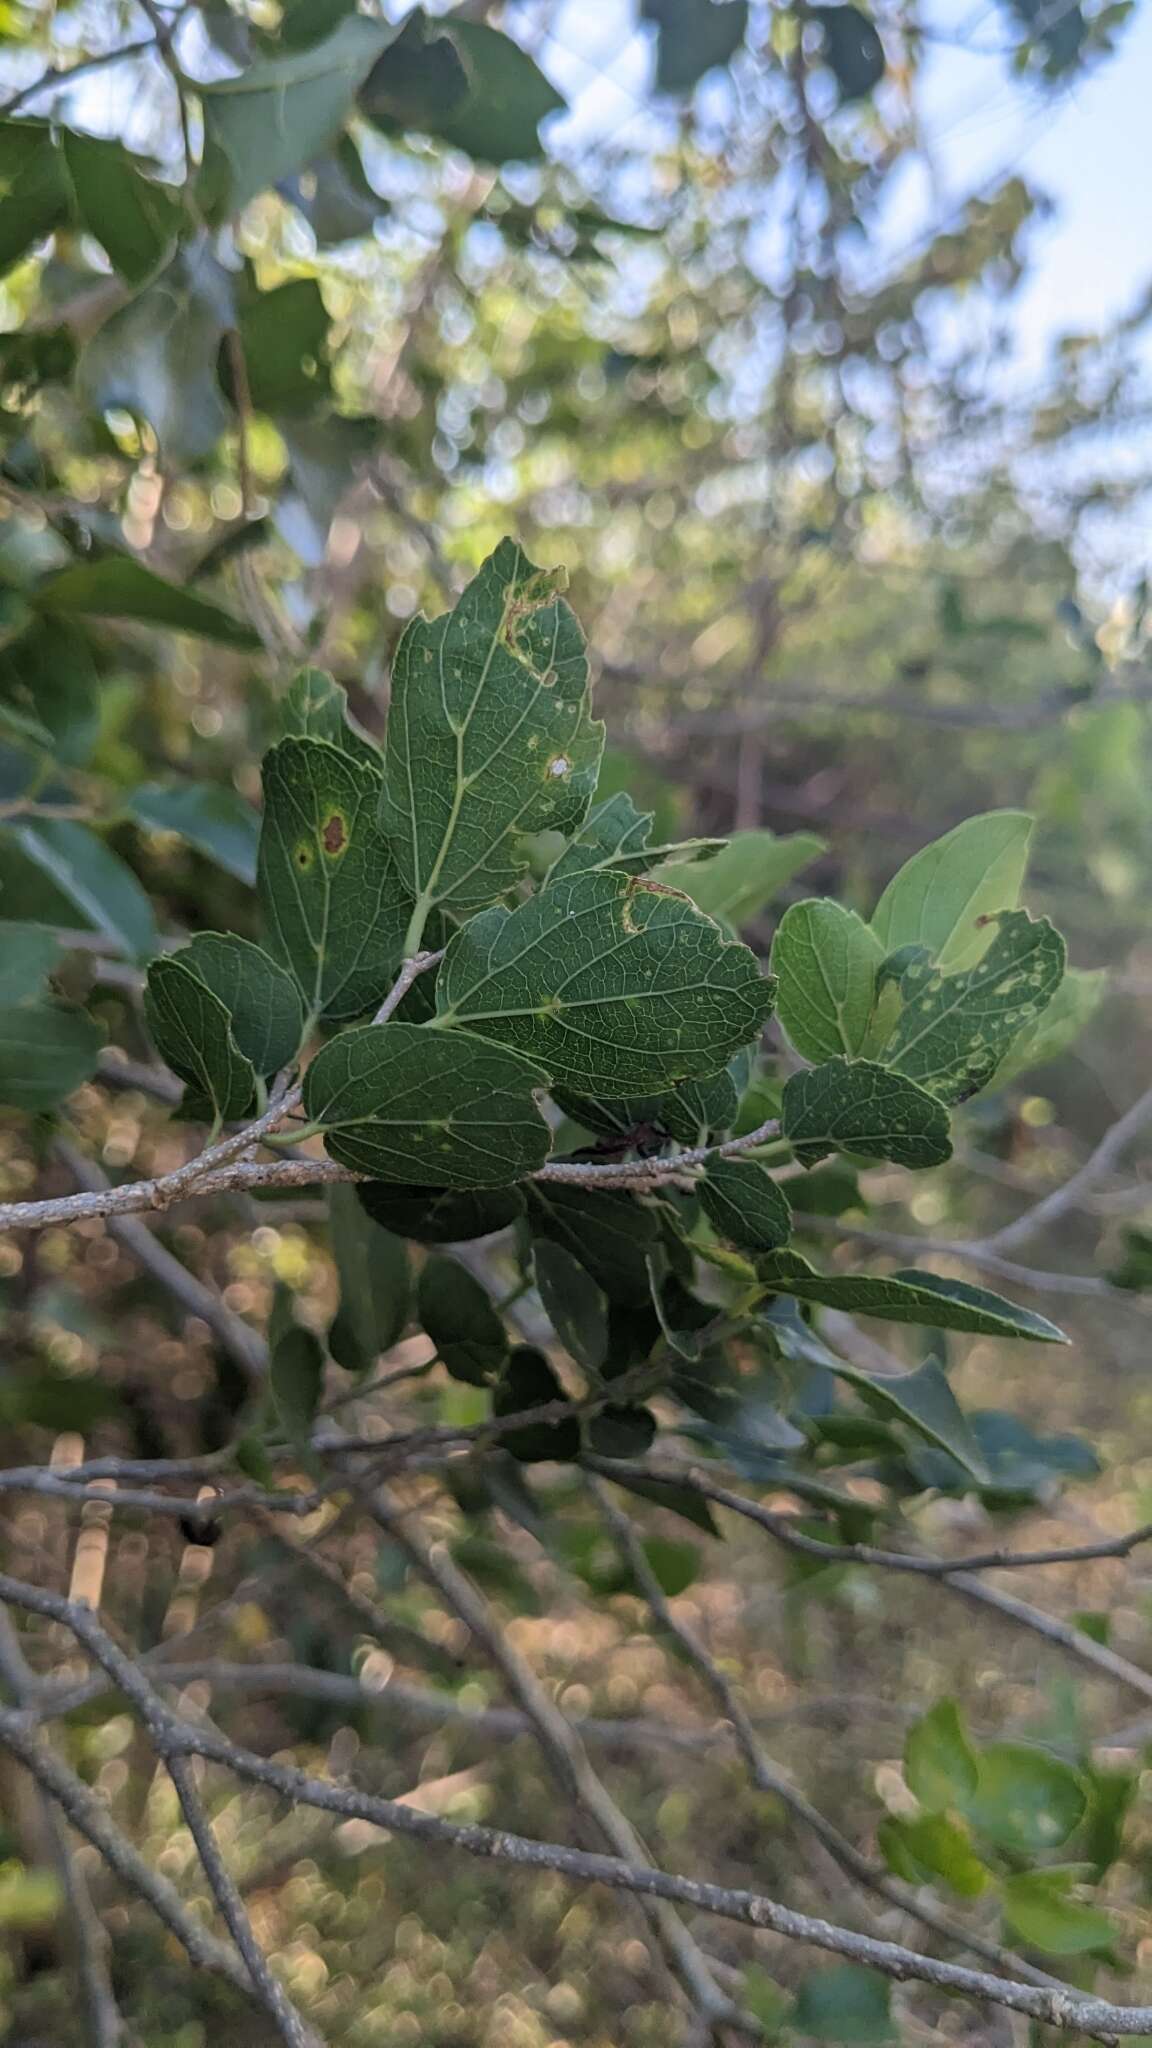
[[1100, 1162]]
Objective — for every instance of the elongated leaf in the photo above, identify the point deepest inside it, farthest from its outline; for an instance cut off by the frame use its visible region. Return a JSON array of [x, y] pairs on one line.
[[613, 983], [615, 836], [192, 1030], [529, 1382], [105, 892], [925, 1401], [1039, 1911], [46, 1052], [137, 220], [744, 1204], [333, 904], [609, 1234], [459, 1317], [745, 877], [316, 708], [917, 1297], [440, 1215], [857, 1106], [271, 121], [35, 197], [489, 735], [117, 588], [296, 1378], [679, 1500], [399, 1102], [826, 960], [214, 819], [941, 897], [575, 1305], [375, 1289], [262, 1001], [940, 1764], [954, 1029], [28, 952]]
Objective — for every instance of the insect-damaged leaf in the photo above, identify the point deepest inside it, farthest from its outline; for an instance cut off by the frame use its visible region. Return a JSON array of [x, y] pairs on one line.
[[192, 1029], [489, 735], [912, 1297], [402, 1103], [744, 1204], [333, 904], [826, 960], [857, 1106], [613, 984], [954, 1029]]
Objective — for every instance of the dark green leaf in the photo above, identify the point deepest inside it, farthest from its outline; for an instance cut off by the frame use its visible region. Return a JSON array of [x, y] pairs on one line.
[[48, 674], [693, 37], [284, 336], [440, 1215], [679, 1500], [615, 984], [858, 1106], [853, 50], [117, 588], [400, 1102], [296, 1378], [137, 220], [483, 94], [192, 1030], [490, 737], [35, 193], [620, 1432], [213, 818], [925, 1401], [955, 1029], [459, 1317], [156, 359], [615, 836], [529, 1382], [742, 880], [912, 1297], [316, 708], [940, 1765], [575, 1305], [943, 897], [375, 1290], [826, 960], [262, 1001], [28, 952], [46, 1052], [744, 1204], [609, 1234], [105, 893], [841, 2002], [333, 903], [1025, 1800]]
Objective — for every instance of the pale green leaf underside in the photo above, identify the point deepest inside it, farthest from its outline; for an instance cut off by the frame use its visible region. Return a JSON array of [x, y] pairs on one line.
[[261, 999], [615, 985], [192, 1030], [490, 738], [912, 1297], [826, 960], [399, 1102], [954, 1029], [857, 1106], [335, 910], [746, 875], [940, 897]]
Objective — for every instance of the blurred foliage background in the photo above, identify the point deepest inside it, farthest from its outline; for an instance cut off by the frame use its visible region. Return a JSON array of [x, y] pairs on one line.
[[844, 574]]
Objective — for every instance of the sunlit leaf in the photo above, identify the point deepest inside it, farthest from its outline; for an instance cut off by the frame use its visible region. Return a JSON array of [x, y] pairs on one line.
[[954, 1029], [1025, 1801], [826, 960], [943, 895], [940, 1764], [747, 875], [1039, 1911]]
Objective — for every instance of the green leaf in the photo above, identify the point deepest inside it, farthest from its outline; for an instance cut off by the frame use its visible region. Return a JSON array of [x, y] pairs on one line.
[[284, 336], [743, 879], [932, 1846], [940, 1765], [924, 1400], [272, 120], [609, 1234], [46, 1052], [459, 1317], [375, 1289], [1025, 1800], [912, 1297], [826, 960], [484, 94], [688, 1113], [679, 1500], [440, 1215], [105, 892], [192, 1030], [693, 37], [296, 1379], [156, 359], [137, 220], [400, 1102], [620, 1432], [575, 1305], [841, 2002], [611, 982], [615, 836], [744, 1204], [490, 737], [1073, 1006], [529, 1382], [857, 1106], [49, 675], [853, 50], [262, 1001], [954, 1029], [1038, 1911], [34, 198], [333, 904], [942, 896], [28, 953], [210, 816], [336, 198], [118, 588], [316, 708]]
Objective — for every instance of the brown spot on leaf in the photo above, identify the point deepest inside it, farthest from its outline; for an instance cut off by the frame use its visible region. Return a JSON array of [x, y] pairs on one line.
[[334, 833]]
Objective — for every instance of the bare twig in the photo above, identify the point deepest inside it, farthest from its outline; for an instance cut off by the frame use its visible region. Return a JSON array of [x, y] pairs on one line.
[[1100, 1162]]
